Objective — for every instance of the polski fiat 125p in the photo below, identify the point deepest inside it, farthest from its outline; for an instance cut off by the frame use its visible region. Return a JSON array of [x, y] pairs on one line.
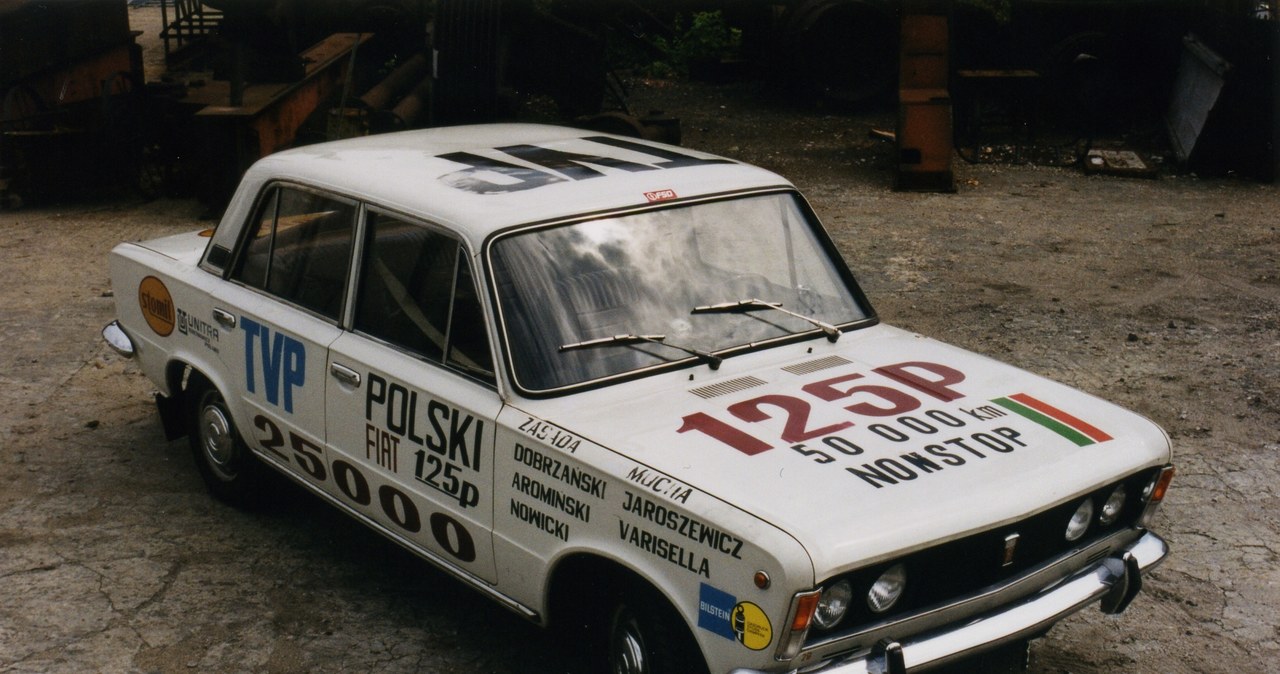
[[632, 389]]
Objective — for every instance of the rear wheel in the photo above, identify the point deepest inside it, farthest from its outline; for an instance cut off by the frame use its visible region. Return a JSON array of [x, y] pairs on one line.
[[224, 461]]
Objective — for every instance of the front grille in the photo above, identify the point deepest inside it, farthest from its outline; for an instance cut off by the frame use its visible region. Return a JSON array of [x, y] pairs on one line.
[[949, 571]]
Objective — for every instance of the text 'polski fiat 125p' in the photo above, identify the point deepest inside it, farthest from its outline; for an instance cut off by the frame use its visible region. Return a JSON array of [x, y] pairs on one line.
[[632, 389]]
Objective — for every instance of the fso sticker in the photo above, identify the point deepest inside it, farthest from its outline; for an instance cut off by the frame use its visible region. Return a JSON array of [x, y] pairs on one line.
[[742, 621], [660, 195], [157, 305]]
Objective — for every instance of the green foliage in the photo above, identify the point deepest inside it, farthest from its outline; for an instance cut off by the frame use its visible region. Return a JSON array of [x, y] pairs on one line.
[[707, 38], [1000, 10]]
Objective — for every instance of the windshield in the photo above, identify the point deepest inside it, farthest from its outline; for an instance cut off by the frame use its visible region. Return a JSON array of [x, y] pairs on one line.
[[628, 286]]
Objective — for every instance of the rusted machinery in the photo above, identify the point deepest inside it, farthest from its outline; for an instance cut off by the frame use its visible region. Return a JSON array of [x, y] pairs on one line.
[[265, 74], [243, 122], [924, 135], [69, 75]]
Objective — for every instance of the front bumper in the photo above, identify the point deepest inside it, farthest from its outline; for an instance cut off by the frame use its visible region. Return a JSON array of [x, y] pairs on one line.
[[1114, 581]]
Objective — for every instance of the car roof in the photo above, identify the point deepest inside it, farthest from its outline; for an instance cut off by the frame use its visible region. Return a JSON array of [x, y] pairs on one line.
[[482, 178]]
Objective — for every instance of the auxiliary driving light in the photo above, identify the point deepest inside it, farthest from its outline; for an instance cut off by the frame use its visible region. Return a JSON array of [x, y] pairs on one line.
[[1113, 507], [887, 589]]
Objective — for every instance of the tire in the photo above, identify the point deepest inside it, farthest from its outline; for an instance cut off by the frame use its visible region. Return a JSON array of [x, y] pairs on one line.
[[1009, 659], [645, 635], [229, 470]]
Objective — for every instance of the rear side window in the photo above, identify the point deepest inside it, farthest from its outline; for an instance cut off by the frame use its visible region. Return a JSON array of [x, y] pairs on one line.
[[417, 293], [300, 250]]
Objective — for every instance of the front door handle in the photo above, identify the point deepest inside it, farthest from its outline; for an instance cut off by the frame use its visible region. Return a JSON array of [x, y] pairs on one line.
[[345, 374], [226, 318]]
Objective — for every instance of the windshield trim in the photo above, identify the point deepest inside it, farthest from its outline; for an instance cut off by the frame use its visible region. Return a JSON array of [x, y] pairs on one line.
[[820, 233]]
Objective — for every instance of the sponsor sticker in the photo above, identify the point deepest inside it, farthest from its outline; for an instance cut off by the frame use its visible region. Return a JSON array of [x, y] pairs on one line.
[[203, 330], [157, 305], [742, 621], [660, 195]]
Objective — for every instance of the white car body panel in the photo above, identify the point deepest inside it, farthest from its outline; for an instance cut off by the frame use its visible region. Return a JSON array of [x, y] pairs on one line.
[[643, 418]]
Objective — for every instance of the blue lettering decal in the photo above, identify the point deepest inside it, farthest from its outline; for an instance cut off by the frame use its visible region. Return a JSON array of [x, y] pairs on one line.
[[295, 369], [284, 361], [250, 328], [271, 362], [715, 611]]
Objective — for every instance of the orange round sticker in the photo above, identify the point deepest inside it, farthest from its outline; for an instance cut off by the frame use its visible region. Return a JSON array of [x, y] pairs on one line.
[[157, 305]]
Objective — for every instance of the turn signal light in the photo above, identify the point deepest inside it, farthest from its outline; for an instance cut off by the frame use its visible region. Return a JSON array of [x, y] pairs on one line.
[[805, 606], [1162, 484], [1158, 489]]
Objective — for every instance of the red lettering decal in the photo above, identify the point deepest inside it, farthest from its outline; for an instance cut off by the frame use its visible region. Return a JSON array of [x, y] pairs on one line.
[[796, 429], [709, 425], [938, 388], [899, 402]]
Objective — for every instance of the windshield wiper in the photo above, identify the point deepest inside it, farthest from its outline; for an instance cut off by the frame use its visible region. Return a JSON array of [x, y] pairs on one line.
[[744, 306], [712, 360]]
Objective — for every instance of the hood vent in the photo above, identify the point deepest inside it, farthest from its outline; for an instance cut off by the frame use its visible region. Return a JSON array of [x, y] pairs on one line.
[[816, 365], [727, 387]]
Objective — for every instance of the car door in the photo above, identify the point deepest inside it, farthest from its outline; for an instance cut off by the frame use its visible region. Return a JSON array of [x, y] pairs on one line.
[[284, 306], [412, 402]]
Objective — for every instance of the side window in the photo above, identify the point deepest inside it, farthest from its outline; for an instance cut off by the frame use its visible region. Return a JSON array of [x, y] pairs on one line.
[[416, 292], [468, 339], [301, 250], [257, 250]]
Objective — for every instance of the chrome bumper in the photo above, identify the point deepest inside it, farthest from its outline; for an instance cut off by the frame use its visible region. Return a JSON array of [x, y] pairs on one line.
[[1115, 581]]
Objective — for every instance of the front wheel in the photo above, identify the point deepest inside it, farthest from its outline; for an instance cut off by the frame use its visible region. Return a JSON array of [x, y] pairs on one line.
[[225, 463], [647, 636]]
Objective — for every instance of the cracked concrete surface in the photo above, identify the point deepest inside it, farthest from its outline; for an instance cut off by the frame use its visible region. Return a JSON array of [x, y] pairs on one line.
[[1161, 295]]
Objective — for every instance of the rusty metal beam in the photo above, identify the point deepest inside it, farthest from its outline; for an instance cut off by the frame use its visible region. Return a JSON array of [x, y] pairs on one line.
[[269, 116], [273, 113]]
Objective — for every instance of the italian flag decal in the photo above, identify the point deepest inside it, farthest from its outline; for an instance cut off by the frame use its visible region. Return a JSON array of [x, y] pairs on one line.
[[1072, 428]]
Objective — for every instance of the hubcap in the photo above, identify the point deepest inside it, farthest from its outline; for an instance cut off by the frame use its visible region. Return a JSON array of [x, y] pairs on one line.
[[217, 441], [626, 648]]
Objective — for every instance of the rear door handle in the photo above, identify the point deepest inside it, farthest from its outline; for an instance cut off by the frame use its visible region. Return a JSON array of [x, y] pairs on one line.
[[345, 374]]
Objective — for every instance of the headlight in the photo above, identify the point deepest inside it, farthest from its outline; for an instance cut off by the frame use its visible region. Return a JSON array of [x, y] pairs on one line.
[[833, 604], [1113, 507], [887, 589], [1080, 521]]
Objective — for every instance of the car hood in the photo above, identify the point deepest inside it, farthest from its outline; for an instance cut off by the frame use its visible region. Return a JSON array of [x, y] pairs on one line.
[[881, 443]]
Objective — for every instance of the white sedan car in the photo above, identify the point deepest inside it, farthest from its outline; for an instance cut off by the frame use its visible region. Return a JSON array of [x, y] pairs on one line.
[[632, 389]]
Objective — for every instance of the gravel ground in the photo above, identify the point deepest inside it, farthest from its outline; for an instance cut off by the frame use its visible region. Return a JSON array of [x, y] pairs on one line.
[[1163, 295]]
